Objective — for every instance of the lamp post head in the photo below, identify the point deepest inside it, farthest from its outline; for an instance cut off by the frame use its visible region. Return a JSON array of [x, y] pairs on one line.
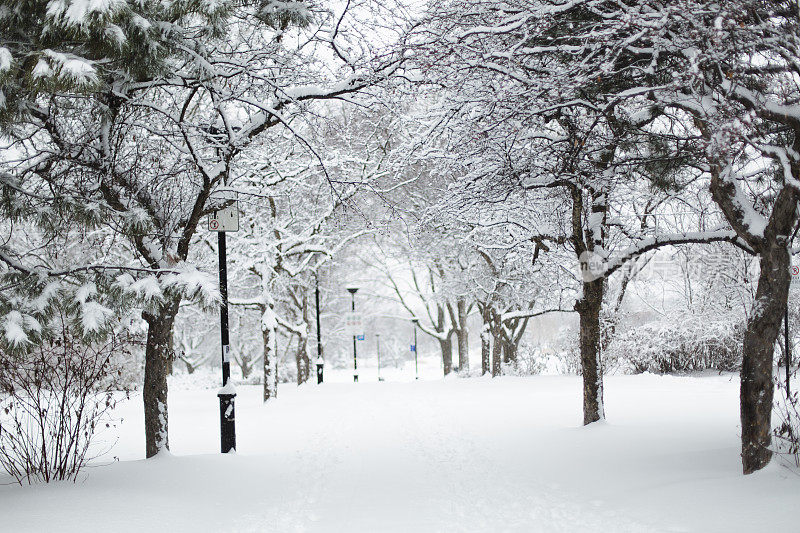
[[415, 321], [352, 290]]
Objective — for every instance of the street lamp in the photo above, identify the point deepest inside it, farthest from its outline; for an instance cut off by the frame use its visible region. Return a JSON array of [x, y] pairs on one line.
[[320, 362], [353, 291], [416, 351], [378, 350]]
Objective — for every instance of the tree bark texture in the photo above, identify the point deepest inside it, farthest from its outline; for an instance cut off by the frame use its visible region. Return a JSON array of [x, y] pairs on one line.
[[303, 362], [446, 347], [588, 308], [462, 337], [757, 387], [158, 354], [485, 350], [497, 354], [270, 363], [756, 384]]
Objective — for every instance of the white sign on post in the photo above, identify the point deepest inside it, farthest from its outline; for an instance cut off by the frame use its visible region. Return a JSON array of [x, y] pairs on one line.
[[227, 218], [354, 324]]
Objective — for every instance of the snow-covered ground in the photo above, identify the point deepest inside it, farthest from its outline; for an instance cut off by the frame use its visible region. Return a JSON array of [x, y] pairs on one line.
[[478, 454]]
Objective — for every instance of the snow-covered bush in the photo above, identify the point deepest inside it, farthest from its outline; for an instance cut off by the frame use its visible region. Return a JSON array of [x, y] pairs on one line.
[[566, 355], [681, 343], [529, 361], [53, 398]]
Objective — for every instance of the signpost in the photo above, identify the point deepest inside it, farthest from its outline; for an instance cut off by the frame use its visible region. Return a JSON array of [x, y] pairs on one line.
[[227, 218], [354, 324], [224, 220]]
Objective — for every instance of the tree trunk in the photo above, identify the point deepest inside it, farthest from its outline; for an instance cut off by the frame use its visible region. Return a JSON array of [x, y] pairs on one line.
[[509, 352], [303, 362], [269, 335], [157, 357], [462, 337], [755, 401], [301, 356], [518, 330], [485, 352], [446, 346], [763, 325], [245, 366], [497, 353], [588, 308]]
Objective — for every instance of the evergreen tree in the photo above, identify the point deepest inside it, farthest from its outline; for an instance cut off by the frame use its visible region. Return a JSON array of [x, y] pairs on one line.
[[135, 148]]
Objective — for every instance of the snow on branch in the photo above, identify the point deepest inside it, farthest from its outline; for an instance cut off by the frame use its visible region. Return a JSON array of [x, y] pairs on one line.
[[515, 315], [651, 243]]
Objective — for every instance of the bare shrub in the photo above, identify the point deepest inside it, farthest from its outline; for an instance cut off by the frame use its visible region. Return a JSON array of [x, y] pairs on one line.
[[52, 400], [786, 432]]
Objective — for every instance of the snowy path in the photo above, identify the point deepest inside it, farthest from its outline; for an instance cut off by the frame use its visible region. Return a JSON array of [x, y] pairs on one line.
[[455, 455]]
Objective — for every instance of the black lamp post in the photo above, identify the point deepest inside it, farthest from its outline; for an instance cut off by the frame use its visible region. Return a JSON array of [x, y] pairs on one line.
[[353, 291], [416, 349], [378, 351], [320, 362]]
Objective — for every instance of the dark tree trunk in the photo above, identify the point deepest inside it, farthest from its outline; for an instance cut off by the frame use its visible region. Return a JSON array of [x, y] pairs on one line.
[[171, 349], [763, 325], [497, 353], [757, 387], [303, 362], [518, 330], [446, 346], [158, 354], [270, 362], [486, 332], [485, 351], [588, 309], [509, 352], [301, 356], [462, 337]]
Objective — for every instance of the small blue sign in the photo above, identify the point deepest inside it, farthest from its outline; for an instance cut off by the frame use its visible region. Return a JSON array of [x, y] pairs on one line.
[[360, 337], [413, 347]]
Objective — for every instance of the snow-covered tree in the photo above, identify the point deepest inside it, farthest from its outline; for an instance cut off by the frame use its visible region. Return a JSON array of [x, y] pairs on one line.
[[146, 152], [525, 112], [724, 79], [301, 218]]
